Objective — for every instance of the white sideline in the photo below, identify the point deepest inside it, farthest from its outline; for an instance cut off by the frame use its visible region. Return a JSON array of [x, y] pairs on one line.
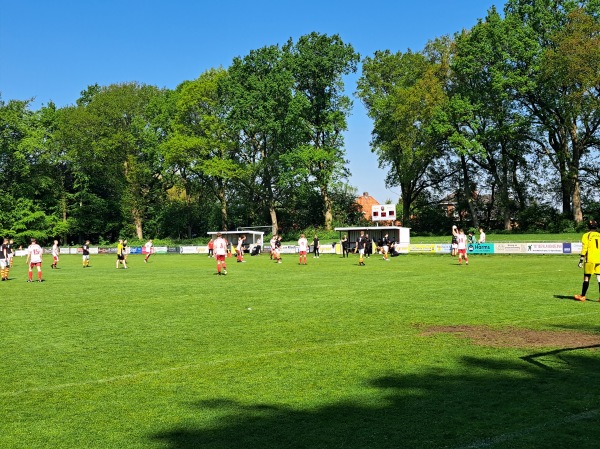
[[524, 432]]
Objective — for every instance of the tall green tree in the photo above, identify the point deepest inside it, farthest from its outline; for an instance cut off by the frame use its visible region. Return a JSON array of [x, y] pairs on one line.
[[556, 71], [263, 113], [200, 149], [487, 127], [110, 137], [403, 93], [318, 63]]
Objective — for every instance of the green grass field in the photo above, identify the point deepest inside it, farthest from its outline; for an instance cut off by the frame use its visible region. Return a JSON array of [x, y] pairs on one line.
[[328, 355]]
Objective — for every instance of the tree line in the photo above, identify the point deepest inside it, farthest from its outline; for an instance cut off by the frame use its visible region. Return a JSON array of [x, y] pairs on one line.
[[499, 122]]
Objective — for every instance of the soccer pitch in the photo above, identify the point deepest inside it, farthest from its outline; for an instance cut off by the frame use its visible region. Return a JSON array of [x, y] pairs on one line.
[[417, 352]]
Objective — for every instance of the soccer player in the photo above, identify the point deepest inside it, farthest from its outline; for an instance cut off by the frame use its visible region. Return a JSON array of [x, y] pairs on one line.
[[454, 243], [239, 251], [55, 255], [368, 246], [11, 252], [589, 259], [4, 260], [121, 254], [385, 248], [461, 246], [277, 252], [302, 248], [344, 246], [360, 245], [34, 259], [220, 249], [149, 250], [85, 251]]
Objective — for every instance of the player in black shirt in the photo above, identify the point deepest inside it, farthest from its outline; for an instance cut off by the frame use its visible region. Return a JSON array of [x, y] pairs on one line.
[[85, 250]]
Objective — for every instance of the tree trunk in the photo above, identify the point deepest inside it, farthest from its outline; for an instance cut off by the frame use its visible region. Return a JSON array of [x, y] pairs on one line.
[[223, 203], [566, 194], [63, 204], [577, 152], [137, 221], [406, 210], [274, 224], [328, 214], [467, 191], [577, 212]]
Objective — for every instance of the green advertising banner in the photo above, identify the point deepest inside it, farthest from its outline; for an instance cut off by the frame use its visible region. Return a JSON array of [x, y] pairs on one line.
[[480, 248]]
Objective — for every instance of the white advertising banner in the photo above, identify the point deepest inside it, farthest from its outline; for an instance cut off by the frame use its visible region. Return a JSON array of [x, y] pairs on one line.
[[193, 249], [422, 248], [544, 248], [444, 248], [510, 248], [327, 249]]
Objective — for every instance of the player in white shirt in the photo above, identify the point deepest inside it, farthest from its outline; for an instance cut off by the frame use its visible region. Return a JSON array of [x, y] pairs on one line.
[[149, 250], [220, 250], [461, 241], [302, 248], [55, 254], [239, 250], [34, 259]]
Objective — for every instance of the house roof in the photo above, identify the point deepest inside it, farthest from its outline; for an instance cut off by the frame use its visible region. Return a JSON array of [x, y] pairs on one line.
[[366, 202]]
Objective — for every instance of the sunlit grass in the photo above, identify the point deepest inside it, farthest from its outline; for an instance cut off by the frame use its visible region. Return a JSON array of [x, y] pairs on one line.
[[170, 355]]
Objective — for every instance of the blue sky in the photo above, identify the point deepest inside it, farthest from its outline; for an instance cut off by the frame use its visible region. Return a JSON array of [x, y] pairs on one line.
[[52, 50]]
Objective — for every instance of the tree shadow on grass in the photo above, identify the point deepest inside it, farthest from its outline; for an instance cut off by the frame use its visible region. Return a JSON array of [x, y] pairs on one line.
[[482, 402]]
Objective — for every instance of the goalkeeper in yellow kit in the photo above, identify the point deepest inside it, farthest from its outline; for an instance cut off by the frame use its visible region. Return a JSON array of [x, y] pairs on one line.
[[589, 259]]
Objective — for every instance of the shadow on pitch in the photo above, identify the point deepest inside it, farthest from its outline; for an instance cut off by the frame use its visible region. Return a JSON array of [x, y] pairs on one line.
[[518, 403], [571, 297]]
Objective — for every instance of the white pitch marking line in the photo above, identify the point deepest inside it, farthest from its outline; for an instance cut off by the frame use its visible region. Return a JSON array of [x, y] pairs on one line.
[[191, 366], [217, 362]]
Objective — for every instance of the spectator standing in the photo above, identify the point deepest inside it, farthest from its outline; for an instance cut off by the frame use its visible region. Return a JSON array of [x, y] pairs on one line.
[[481, 236]]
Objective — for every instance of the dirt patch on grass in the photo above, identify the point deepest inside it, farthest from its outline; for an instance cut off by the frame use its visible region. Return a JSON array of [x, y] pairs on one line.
[[511, 337]]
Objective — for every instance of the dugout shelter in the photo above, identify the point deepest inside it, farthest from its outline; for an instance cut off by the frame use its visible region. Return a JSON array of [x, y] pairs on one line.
[[253, 238], [399, 234]]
